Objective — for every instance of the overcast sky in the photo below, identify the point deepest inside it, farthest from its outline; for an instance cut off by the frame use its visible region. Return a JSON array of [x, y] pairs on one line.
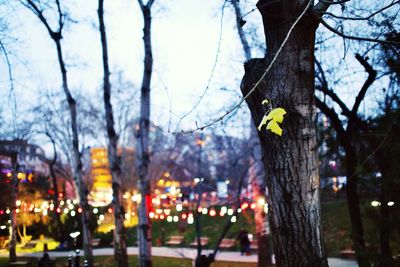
[[185, 44]]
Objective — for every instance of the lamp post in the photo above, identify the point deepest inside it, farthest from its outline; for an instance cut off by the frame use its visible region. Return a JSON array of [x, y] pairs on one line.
[[74, 235]]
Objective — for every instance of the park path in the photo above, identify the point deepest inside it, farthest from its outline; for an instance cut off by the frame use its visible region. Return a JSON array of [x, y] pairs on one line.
[[232, 256]]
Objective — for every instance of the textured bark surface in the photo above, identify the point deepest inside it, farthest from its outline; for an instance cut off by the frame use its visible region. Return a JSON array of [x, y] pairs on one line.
[[290, 161], [143, 153], [120, 248]]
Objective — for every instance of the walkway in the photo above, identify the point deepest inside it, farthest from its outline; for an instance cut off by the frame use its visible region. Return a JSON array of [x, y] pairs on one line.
[[178, 253]]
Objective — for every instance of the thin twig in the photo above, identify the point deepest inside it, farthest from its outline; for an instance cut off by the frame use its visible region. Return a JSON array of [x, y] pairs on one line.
[[257, 83], [212, 70], [362, 18], [357, 38]]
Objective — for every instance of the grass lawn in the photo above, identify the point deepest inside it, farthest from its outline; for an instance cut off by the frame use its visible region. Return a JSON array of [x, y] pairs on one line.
[[210, 227], [108, 261]]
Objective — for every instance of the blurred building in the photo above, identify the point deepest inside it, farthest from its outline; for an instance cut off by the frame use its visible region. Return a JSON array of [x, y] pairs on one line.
[[31, 159], [99, 174]]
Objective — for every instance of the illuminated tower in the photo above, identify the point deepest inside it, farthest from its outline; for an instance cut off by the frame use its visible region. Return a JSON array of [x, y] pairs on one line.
[[101, 193]]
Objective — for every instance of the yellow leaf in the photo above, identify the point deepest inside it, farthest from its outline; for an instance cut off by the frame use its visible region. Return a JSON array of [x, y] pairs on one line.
[[263, 122], [273, 126], [264, 102], [274, 117], [276, 114]]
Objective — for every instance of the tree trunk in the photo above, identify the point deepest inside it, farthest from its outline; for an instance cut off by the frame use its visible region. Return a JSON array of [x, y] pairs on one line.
[[262, 229], [13, 213], [53, 176], [56, 36], [77, 166], [290, 161], [353, 205], [382, 158], [143, 153], [120, 249]]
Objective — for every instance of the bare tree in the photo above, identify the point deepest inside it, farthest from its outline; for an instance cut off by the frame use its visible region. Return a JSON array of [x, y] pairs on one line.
[[348, 136], [142, 135], [120, 250], [290, 161], [38, 8], [285, 76]]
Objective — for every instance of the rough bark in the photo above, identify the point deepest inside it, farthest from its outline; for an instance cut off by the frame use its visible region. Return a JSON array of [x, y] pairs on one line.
[[56, 36], [290, 161], [120, 247], [143, 153]]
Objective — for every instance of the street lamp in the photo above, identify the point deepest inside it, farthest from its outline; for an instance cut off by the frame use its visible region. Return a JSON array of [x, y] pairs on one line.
[[74, 235]]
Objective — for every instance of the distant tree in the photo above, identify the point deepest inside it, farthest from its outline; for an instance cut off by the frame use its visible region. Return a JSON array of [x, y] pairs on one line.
[[40, 10], [120, 247], [142, 136], [347, 134], [257, 169]]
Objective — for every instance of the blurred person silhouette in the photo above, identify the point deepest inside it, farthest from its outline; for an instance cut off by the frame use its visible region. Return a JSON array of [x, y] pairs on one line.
[[244, 241]]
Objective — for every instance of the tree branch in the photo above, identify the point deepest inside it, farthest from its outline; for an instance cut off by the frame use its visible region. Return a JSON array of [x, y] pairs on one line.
[[39, 13], [60, 16], [332, 115], [362, 18], [322, 6], [371, 78], [357, 38]]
